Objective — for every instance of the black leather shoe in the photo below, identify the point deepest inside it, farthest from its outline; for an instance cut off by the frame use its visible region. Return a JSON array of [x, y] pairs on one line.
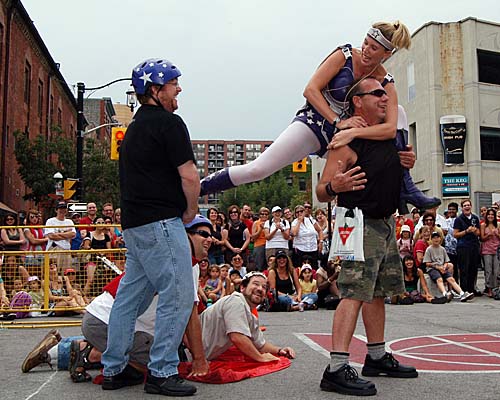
[[346, 381], [171, 386], [387, 366], [128, 377]]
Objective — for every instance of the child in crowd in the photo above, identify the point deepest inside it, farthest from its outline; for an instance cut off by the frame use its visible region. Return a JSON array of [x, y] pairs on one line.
[[405, 242], [73, 288], [235, 277], [227, 285], [213, 288], [35, 291], [309, 288], [18, 286], [440, 269]]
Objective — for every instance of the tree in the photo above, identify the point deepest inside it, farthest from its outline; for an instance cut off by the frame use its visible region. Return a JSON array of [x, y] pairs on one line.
[[39, 159], [269, 192]]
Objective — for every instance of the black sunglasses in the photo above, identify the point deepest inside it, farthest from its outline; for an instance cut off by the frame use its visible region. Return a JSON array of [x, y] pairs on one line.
[[203, 234], [376, 93]]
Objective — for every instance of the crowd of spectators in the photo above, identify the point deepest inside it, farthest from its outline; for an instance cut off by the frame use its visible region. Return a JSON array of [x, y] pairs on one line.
[[290, 247], [440, 255], [74, 278]]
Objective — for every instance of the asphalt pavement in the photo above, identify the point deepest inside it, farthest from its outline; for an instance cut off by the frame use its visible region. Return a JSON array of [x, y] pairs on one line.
[[429, 333]]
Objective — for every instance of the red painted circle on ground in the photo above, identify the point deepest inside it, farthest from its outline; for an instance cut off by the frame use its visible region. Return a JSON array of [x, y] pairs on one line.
[[476, 352]]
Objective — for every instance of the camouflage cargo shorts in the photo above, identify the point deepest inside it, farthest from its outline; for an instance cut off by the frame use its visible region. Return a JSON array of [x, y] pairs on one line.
[[381, 274]]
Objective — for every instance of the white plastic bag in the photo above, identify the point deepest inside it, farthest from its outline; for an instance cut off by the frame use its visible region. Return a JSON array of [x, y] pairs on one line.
[[347, 241]]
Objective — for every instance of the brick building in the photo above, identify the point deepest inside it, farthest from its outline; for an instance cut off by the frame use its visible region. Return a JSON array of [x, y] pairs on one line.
[[99, 112], [213, 155], [34, 96]]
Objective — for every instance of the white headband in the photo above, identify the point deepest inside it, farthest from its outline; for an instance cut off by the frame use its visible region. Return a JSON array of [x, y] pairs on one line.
[[375, 34]]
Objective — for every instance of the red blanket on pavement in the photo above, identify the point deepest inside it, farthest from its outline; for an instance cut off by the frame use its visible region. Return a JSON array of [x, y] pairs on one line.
[[234, 366]]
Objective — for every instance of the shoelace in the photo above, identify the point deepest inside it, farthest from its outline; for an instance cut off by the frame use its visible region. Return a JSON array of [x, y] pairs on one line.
[[392, 360], [350, 374]]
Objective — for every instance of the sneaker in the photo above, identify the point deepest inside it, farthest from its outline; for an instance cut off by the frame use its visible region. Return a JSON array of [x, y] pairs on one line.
[[449, 297], [387, 366], [301, 307], [128, 377], [455, 294], [40, 354], [439, 300], [466, 296], [346, 381], [171, 386]]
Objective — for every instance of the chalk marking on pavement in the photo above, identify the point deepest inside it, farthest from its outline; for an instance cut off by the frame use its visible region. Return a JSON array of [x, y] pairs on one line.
[[320, 349], [403, 352], [42, 386]]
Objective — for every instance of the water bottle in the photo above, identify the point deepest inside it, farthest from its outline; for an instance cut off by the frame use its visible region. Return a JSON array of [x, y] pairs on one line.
[[209, 302]]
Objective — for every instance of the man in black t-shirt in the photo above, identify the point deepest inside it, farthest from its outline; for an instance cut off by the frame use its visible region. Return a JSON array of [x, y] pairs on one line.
[[159, 186], [364, 285]]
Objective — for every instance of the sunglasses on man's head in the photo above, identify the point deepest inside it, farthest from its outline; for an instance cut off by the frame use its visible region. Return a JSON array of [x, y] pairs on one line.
[[376, 93]]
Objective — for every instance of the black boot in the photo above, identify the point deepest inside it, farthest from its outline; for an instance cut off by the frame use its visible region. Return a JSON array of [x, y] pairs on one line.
[[346, 381], [216, 182], [409, 192], [387, 366]]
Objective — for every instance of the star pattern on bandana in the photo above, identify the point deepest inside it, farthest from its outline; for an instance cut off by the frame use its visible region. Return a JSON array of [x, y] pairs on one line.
[[160, 74], [310, 114]]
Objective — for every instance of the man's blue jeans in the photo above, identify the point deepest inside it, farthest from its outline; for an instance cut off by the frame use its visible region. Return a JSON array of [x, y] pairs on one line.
[[158, 261]]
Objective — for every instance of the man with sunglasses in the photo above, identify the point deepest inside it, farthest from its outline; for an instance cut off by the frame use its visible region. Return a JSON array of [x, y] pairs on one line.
[[364, 285], [159, 187], [230, 322]]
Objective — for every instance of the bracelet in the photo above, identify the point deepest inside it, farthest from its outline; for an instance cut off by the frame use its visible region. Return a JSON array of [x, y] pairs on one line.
[[329, 190]]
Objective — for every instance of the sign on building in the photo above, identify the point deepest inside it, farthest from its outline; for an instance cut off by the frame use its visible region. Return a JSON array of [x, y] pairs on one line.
[[453, 133], [455, 184]]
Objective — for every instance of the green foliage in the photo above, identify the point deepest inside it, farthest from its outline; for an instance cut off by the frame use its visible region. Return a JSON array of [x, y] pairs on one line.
[[39, 160], [101, 179], [269, 192]]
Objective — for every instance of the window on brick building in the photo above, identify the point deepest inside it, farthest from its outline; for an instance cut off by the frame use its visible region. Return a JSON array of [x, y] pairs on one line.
[[488, 63], [27, 82], [59, 117], [51, 110], [1, 46], [40, 98], [490, 144]]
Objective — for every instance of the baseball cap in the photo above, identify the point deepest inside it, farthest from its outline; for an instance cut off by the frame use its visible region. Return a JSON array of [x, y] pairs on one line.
[[304, 267], [61, 204], [435, 234], [414, 210], [76, 214], [280, 253], [405, 228], [33, 278], [276, 208], [235, 272]]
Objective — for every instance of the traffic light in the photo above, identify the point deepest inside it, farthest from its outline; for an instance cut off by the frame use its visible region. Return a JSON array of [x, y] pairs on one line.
[[70, 186], [117, 135], [300, 166]]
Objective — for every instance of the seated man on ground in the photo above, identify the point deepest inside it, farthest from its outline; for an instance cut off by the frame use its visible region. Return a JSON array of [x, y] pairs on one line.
[[230, 322]]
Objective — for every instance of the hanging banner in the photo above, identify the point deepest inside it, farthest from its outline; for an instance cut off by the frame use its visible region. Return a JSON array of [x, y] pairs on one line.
[[453, 133], [455, 184]]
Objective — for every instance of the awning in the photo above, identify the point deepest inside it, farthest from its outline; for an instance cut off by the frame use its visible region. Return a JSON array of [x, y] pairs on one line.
[[4, 209]]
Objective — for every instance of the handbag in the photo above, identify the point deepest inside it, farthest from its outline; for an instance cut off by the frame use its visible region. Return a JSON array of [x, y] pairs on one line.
[[347, 241]]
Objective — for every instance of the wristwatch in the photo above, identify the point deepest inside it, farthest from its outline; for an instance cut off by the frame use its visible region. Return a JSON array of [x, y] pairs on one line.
[[329, 190], [335, 122]]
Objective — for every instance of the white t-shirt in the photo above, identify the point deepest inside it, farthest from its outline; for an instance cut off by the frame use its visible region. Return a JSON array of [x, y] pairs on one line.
[[63, 244], [277, 241], [229, 314], [307, 237], [440, 221]]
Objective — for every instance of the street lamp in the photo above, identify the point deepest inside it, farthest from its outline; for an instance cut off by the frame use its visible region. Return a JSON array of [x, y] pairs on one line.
[[80, 122], [58, 184]]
